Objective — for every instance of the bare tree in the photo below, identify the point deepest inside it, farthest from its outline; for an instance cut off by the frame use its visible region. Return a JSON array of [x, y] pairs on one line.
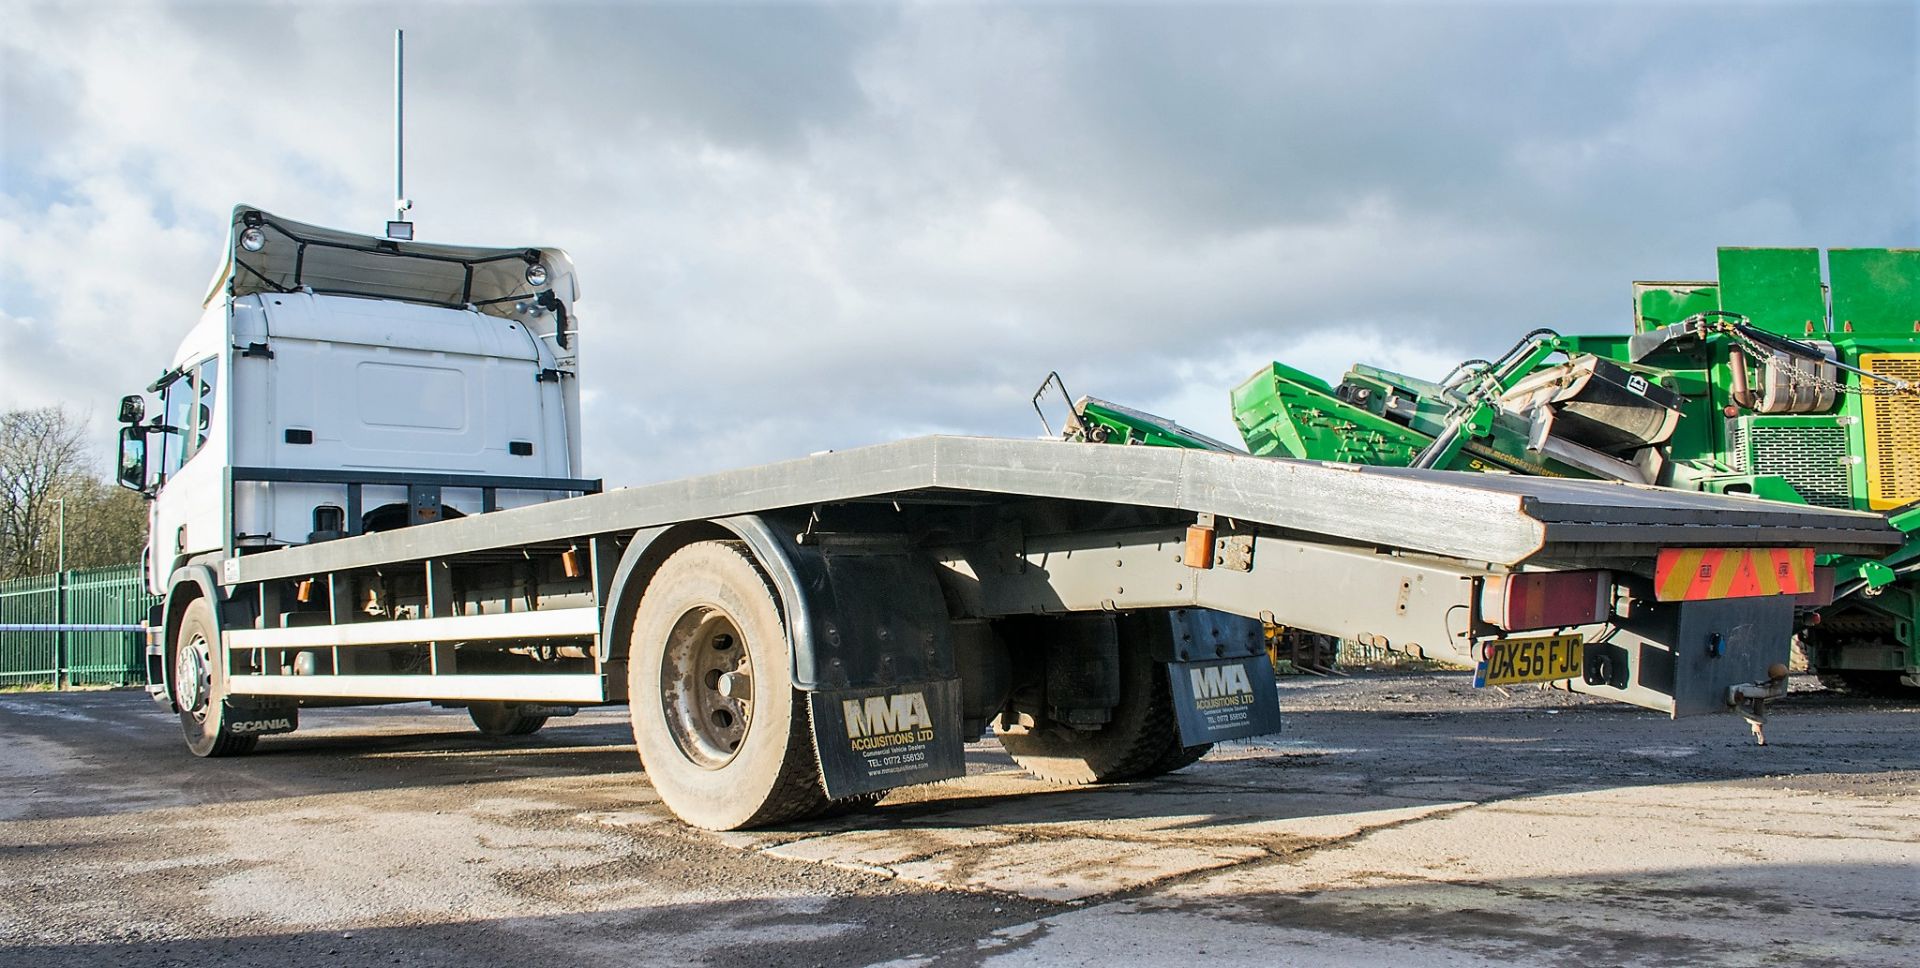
[[106, 523], [43, 463]]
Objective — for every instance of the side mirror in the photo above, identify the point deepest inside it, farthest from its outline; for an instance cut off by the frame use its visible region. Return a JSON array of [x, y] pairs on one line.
[[133, 409], [133, 458]]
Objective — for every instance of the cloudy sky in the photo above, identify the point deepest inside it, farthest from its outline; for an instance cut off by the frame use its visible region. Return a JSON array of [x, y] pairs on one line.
[[810, 227]]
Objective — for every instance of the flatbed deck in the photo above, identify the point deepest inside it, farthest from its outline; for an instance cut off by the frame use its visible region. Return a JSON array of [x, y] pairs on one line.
[[1500, 520]]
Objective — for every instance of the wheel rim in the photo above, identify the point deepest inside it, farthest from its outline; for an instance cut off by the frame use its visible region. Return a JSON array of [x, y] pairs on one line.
[[706, 680], [193, 677]]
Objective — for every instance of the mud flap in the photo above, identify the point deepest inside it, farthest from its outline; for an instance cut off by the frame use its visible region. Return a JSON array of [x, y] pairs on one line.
[[1222, 699], [888, 736], [248, 717], [1680, 658]]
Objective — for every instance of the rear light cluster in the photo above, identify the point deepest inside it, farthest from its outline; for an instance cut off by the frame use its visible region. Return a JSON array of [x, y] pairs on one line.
[[1547, 599]]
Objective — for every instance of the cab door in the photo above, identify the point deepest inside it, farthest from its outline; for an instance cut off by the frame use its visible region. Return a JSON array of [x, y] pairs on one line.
[[188, 503]]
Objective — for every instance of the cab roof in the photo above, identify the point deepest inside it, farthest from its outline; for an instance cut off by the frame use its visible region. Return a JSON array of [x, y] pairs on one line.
[[294, 256]]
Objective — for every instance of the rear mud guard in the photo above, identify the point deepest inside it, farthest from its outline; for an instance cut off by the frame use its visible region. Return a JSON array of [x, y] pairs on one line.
[[1221, 677], [1681, 658]]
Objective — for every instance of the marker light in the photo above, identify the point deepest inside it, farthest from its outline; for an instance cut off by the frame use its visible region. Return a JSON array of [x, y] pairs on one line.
[[536, 274], [252, 239], [1546, 599]]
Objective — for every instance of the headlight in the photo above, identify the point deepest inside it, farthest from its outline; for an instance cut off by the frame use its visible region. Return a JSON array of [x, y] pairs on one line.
[[536, 274], [252, 239]]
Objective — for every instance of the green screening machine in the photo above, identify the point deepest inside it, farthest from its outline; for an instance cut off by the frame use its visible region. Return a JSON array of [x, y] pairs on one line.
[[1772, 381]]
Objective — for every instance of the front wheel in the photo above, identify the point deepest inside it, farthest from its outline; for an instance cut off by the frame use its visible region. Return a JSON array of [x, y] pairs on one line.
[[724, 737], [199, 687]]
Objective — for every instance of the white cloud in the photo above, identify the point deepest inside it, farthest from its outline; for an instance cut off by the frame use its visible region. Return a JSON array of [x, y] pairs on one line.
[[812, 227]]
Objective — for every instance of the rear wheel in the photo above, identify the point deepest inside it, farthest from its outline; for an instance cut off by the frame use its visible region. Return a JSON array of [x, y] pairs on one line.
[[723, 735], [199, 687], [504, 719], [1142, 739], [858, 803], [1178, 756]]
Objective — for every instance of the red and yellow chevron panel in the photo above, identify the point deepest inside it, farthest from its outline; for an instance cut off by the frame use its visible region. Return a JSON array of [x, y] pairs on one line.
[[1691, 574]]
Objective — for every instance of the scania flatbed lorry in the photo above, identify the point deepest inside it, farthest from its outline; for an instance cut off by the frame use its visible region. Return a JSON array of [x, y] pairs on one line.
[[366, 479]]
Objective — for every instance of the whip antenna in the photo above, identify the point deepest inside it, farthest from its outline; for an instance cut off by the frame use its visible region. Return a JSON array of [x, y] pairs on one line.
[[400, 228]]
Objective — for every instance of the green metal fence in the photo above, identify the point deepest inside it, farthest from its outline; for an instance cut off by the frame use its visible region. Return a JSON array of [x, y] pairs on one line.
[[91, 596]]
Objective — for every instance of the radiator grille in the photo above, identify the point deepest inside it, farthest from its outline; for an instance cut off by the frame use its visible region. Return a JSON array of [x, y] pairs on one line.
[[1892, 425], [1812, 459]]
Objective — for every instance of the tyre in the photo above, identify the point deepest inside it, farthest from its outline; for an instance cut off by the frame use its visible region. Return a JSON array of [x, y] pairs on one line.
[[1177, 756], [858, 803], [724, 737], [503, 719], [1141, 740], [199, 687]]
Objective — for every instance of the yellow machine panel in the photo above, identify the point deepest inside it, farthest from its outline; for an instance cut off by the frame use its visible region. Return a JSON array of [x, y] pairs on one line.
[[1892, 431]]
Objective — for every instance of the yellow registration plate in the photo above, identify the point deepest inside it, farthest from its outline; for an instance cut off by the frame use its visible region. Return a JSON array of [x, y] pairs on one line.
[[1540, 658]]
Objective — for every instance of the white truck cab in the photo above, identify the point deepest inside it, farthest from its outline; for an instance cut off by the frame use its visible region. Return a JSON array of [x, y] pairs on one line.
[[345, 384]]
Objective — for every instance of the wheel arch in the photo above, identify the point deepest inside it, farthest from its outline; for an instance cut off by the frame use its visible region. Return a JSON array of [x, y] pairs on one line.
[[188, 583], [653, 546]]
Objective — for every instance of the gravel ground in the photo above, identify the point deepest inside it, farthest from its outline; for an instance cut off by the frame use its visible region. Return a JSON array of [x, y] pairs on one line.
[[1399, 818]]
